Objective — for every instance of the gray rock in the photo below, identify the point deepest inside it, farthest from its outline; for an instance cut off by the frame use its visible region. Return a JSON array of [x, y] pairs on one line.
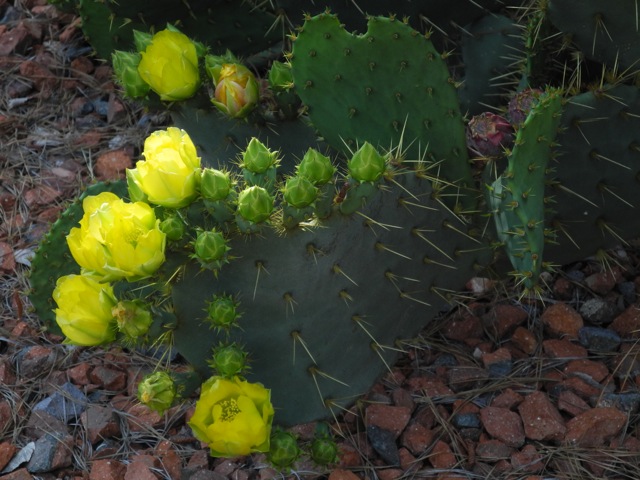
[[384, 443], [193, 474], [628, 291], [65, 405], [445, 360], [500, 369], [598, 311], [601, 340], [626, 402], [466, 420], [50, 454], [24, 455]]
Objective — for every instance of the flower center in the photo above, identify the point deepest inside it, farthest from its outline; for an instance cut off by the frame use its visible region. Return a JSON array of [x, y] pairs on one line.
[[229, 410], [131, 234]]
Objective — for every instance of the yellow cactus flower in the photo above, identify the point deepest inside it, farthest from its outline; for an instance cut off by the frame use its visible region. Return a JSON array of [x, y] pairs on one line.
[[233, 417], [169, 65], [84, 310], [170, 174], [236, 90], [117, 240]]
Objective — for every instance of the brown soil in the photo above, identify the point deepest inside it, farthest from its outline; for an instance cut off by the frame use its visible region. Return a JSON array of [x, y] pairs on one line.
[[497, 388]]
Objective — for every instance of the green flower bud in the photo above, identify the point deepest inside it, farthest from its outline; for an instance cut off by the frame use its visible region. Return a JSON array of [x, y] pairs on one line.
[[157, 391], [324, 451], [367, 165], [257, 158], [125, 68], [173, 227], [229, 360], [210, 246], [299, 192], [133, 318], [280, 76], [223, 313], [141, 40], [215, 184], [255, 204], [316, 167], [284, 450]]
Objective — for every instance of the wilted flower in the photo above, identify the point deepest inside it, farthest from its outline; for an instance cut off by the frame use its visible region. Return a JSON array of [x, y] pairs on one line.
[[236, 90], [84, 310], [170, 174], [170, 66], [116, 239], [233, 417], [125, 68], [489, 134], [157, 391], [521, 104]]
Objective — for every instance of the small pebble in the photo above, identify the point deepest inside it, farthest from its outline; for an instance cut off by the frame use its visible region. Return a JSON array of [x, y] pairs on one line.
[[601, 340]]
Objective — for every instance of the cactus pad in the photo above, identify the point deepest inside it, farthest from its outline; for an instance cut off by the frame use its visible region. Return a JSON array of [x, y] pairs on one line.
[[386, 86], [605, 31], [337, 286], [596, 176], [517, 196]]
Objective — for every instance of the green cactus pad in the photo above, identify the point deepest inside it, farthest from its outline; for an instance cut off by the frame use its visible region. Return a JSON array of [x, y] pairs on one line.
[[517, 196], [222, 25], [603, 30], [596, 177], [220, 140], [388, 86], [336, 286], [489, 64]]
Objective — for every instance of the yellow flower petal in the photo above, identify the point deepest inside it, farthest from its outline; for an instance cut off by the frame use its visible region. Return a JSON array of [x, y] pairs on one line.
[[231, 421]]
